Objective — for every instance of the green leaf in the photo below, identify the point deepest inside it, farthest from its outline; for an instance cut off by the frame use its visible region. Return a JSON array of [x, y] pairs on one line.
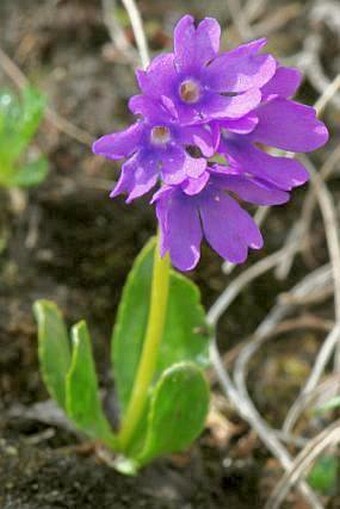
[[131, 320], [82, 393], [186, 331], [19, 121], [10, 112], [323, 476], [185, 335], [178, 409], [33, 106], [54, 349], [30, 174]]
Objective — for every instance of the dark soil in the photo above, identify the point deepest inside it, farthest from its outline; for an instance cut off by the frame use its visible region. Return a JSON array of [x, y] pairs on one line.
[[42, 477], [71, 244]]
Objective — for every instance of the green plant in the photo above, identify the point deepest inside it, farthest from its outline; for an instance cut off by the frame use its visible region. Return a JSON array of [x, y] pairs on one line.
[[19, 121], [324, 474], [159, 415]]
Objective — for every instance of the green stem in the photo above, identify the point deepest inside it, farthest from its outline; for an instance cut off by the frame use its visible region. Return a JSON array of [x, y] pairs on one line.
[[149, 356]]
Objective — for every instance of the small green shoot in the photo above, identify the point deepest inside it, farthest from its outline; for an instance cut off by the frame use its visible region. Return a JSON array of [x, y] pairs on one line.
[[19, 121], [324, 474]]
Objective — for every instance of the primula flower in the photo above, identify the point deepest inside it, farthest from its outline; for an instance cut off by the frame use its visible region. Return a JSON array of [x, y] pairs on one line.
[[155, 148], [197, 104], [204, 208], [202, 85]]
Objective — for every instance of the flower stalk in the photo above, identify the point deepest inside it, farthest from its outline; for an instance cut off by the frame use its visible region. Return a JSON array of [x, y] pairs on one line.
[[149, 355]]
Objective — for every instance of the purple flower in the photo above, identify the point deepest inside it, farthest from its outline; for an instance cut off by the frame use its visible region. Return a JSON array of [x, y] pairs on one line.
[[155, 148], [197, 104], [203, 208], [201, 85], [277, 122]]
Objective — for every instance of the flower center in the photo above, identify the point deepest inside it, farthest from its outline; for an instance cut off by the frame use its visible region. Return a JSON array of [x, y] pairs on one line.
[[160, 135], [189, 91]]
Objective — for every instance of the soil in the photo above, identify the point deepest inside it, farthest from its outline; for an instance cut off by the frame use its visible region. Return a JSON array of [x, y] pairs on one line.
[[66, 241]]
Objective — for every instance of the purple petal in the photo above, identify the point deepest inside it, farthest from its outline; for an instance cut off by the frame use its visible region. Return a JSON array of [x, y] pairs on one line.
[[163, 194], [244, 125], [240, 69], [172, 165], [228, 228], [254, 190], [282, 172], [195, 47], [181, 232], [149, 108], [138, 176], [290, 126], [193, 186], [194, 167], [177, 165], [199, 136], [218, 106], [160, 77], [187, 114], [121, 144], [216, 133], [284, 83]]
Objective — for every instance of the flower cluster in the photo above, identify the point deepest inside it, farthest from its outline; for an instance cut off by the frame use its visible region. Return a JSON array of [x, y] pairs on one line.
[[203, 121]]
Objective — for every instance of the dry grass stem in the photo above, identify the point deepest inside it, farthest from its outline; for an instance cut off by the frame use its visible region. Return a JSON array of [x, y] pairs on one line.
[[306, 399], [236, 286], [327, 95], [138, 30], [303, 462]]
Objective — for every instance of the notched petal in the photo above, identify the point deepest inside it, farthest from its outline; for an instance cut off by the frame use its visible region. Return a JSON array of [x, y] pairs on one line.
[[195, 47]]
